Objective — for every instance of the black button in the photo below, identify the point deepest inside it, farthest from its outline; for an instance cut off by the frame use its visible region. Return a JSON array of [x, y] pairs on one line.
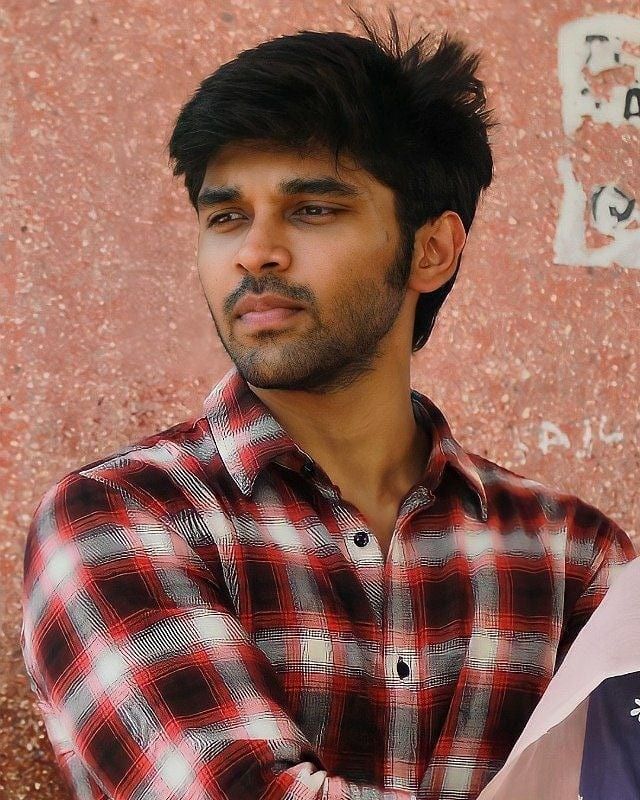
[[307, 468], [402, 668], [361, 538]]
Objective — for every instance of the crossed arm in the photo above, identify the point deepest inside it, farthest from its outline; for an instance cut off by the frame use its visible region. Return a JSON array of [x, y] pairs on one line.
[[148, 684]]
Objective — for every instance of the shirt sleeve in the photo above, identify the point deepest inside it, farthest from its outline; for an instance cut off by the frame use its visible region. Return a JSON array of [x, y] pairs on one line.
[[148, 684], [596, 548]]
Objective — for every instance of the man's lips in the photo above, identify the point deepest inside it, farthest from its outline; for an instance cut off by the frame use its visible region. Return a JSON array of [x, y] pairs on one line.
[[270, 318], [271, 311], [254, 303]]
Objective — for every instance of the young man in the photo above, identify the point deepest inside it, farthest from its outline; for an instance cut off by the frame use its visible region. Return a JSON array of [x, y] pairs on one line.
[[312, 590]]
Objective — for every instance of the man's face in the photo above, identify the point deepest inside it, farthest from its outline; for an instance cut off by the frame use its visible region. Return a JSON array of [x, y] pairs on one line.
[[277, 223]]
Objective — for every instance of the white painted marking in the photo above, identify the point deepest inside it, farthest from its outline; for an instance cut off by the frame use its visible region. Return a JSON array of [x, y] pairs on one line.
[[551, 436], [570, 245], [609, 438], [595, 45]]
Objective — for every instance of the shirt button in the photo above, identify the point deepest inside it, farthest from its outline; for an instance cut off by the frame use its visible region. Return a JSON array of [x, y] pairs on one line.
[[402, 668], [361, 539], [307, 468]]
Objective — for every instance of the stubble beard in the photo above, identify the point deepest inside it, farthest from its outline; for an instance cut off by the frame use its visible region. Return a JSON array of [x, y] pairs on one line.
[[327, 356]]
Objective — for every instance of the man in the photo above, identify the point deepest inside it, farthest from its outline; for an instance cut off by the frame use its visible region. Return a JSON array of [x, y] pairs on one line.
[[312, 590]]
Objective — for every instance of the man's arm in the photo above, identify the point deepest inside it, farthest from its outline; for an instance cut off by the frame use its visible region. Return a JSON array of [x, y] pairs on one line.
[[596, 547], [149, 685]]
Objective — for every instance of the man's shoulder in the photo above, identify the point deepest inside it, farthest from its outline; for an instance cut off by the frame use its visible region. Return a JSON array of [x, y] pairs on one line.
[[512, 494], [154, 469], [190, 438], [561, 521]]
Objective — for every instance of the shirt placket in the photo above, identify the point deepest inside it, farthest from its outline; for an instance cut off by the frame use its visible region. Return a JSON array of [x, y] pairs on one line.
[[389, 592], [401, 664]]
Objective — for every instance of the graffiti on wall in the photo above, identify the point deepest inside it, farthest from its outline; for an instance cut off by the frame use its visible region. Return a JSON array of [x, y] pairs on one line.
[[588, 48]]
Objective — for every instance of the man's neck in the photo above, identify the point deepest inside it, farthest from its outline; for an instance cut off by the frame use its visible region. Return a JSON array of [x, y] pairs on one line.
[[365, 437]]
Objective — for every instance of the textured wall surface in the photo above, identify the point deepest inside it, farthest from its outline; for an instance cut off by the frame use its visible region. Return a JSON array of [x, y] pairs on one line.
[[105, 334]]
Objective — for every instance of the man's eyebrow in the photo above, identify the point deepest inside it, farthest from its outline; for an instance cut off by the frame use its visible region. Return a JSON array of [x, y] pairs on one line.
[[323, 185]]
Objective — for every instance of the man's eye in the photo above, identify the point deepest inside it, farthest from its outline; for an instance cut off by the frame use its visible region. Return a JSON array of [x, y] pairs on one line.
[[306, 211], [317, 211], [219, 219]]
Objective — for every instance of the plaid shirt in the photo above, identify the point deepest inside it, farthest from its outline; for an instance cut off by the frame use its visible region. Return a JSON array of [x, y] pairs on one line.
[[206, 618]]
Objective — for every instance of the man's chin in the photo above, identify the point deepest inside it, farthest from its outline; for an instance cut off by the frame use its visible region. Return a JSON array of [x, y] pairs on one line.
[[262, 378], [264, 368], [318, 380]]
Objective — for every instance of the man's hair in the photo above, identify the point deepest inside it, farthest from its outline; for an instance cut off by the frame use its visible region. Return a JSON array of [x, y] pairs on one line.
[[414, 117]]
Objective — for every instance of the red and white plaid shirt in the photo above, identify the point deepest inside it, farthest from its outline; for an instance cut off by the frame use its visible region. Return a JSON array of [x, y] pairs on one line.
[[206, 618]]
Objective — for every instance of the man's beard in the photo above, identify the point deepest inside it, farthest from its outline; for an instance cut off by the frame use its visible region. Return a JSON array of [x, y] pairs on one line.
[[324, 358]]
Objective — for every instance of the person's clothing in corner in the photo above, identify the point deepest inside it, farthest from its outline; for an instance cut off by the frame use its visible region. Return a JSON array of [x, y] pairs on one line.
[[583, 738], [206, 617], [611, 755]]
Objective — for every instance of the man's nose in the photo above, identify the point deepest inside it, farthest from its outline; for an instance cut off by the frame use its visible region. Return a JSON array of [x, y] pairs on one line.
[[263, 248]]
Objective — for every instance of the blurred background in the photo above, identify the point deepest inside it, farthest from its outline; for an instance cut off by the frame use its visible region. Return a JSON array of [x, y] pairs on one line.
[[105, 334]]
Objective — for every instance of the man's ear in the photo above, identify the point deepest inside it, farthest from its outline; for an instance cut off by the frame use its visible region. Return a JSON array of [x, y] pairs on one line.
[[436, 251]]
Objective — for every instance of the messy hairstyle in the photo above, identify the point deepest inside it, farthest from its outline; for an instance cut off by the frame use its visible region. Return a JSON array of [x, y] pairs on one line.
[[414, 117]]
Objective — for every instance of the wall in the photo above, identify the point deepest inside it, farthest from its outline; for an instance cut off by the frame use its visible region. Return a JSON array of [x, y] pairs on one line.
[[105, 332]]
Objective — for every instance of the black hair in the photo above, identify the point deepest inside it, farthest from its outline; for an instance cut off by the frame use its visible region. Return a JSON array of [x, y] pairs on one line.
[[414, 117]]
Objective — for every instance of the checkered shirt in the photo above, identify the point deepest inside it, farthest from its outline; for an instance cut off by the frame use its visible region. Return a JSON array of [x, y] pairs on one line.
[[206, 618]]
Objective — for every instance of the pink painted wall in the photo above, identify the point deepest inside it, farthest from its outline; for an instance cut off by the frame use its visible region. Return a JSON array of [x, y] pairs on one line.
[[105, 333]]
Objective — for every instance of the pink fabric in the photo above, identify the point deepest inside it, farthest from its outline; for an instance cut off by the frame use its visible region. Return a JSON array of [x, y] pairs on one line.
[[545, 761]]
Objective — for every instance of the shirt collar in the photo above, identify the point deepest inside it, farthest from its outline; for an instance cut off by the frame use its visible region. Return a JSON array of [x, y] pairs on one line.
[[248, 437], [445, 449]]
